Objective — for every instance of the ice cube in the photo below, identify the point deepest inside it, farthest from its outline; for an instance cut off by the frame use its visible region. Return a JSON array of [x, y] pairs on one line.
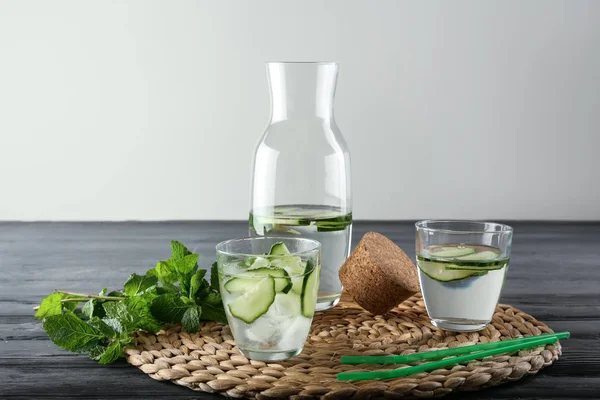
[[294, 334], [233, 268], [287, 304], [267, 329]]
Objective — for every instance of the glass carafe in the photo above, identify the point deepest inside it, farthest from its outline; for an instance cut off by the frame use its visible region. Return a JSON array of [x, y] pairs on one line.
[[301, 173]]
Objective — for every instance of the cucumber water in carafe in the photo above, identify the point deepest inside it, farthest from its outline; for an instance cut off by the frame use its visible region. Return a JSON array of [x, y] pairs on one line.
[[328, 225], [301, 173]]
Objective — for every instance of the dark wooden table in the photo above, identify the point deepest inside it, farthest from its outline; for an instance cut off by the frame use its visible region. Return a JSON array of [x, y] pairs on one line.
[[554, 275]]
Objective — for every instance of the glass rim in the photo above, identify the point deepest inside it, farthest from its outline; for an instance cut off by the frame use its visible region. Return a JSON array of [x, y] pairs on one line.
[[317, 246], [274, 62], [422, 225]]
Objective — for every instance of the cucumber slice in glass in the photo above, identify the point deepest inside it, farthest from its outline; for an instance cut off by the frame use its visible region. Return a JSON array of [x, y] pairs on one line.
[[439, 272], [244, 282], [482, 256], [283, 229], [257, 263], [279, 249], [483, 261], [255, 302], [298, 280], [239, 285], [284, 210], [452, 252], [483, 267], [310, 287], [297, 284], [292, 264]]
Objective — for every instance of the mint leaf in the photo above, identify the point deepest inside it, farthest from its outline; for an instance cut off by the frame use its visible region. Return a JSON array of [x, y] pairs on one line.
[[165, 273], [139, 308], [93, 308], [167, 288], [51, 305], [102, 327], [70, 332], [213, 313], [112, 352], [168, 308], [70, 305], [139, 284], [178, 250], [212, 308], [86, 348], [191, 319], [88, 309], [130, 315], [96, 352], [118, 317], [125, 342], [186, 265], [213, 298], [114, 324], [214, 276], [197, 282], [187, 300]]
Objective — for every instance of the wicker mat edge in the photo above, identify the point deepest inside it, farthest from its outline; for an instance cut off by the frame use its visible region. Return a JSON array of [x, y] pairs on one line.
[[209, 360]]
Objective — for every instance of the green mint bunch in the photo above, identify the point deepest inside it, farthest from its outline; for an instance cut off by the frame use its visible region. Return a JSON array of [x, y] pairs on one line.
[[174, 291]]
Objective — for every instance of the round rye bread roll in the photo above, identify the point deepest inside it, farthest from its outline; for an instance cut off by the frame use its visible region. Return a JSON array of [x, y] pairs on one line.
[[378, 275]]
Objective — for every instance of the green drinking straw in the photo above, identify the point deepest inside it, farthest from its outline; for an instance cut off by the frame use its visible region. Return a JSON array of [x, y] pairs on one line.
[[506, 346], [436, 354]]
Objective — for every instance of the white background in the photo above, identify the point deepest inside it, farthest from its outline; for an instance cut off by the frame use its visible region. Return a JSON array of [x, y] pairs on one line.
[[150, 110]]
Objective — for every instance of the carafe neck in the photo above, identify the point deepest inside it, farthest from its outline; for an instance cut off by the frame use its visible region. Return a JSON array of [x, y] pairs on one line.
[[302, 90]]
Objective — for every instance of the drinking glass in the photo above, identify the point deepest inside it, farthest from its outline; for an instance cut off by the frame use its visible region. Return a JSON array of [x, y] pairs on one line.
[[269, 289], [462, 266]]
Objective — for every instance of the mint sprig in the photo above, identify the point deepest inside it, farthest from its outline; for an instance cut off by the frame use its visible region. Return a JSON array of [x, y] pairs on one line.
[[174, 291]]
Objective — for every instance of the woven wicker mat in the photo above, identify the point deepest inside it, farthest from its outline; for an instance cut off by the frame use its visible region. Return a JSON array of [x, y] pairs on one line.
[[209, 361]]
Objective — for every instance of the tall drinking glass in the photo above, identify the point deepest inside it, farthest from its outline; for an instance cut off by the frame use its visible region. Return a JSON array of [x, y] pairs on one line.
[[462, 266], [269, 289]]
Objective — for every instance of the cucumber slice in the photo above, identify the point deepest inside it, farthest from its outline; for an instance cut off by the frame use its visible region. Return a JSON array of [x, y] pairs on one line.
[[332, 228], [292, 264], [243, 282], [257, 263], [439, 272], [483, 267], [451, 252], [283, 229], [284, 210], [298, 280], [239, 285], [279, 249], [297, 285], [280, 220], [482, 256], [310, 288], [255, 302]]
